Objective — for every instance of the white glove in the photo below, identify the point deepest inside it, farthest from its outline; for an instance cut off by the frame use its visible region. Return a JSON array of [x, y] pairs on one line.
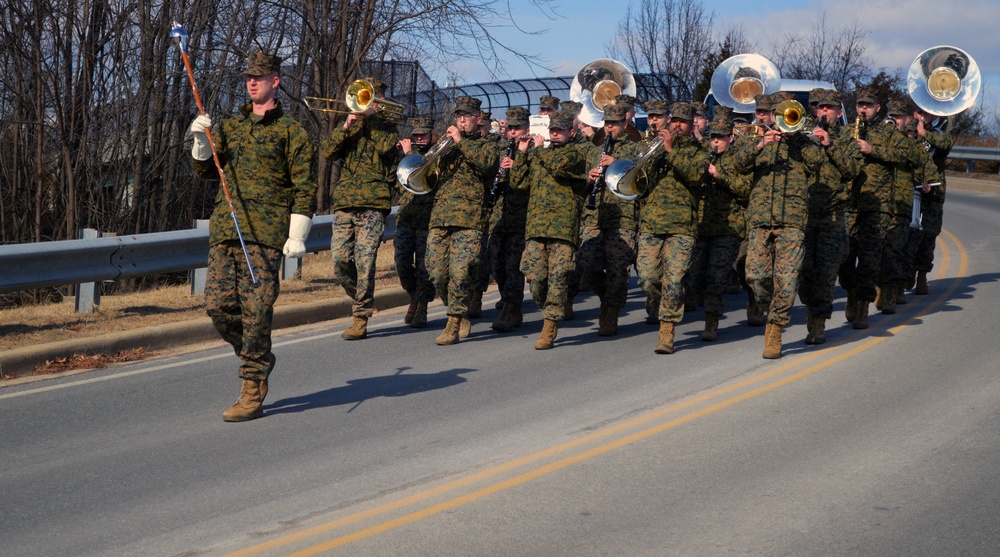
[[298, 231], [200, 149]]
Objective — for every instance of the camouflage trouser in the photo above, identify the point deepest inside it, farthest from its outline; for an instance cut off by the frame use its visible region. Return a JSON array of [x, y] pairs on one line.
[[867, 240], [481, 280], [825, 251], [663, 259], [505, 263], [357, 234], [711, 264], [411, 249], [774, 257], [548, 265], [240, 311], [931, 221], [603, 261], [894, 264], [452, 258]]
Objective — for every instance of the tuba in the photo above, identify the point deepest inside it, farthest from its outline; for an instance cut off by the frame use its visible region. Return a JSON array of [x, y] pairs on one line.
[[359, 97], [417, 173], [627, 178], [944, 80], [740, 78], [597, 84]]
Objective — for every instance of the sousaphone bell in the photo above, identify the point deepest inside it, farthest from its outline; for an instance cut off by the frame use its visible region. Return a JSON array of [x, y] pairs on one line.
[[944, 80], [738, 79], [597, 84]]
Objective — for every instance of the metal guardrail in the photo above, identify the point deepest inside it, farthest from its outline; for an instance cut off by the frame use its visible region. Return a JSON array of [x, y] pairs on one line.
[[94, 260], [971, 155]]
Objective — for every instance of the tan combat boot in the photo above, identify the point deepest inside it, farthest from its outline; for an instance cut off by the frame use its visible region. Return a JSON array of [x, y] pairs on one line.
[[358, 329], [772, 342], [755, 314], [818, 331], [610, 326], [889, 301], [419, 320], [711, 331], [861, 315], [475, 304], [920, 288], [450, 333], [851, 307], [879, 297], [250, 404], [665, 343], [464, 327], [410, 312], [505, 322], [548, 335]]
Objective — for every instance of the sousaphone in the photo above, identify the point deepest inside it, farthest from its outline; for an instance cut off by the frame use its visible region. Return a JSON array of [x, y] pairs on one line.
[[597, 84], [740, 78], [944, 80]]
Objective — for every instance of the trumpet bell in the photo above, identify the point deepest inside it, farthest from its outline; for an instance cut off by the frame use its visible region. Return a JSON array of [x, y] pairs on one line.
[[738, 79], [944, 80], [790, 116], [597, 84]]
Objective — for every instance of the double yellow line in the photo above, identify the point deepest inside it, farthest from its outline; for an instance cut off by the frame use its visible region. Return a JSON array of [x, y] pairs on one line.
[[543, 463]]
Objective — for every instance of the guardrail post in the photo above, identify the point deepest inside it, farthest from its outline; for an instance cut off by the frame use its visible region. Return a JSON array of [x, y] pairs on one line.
[[198, 277], [290, 267], [88, 295], [970, 167]]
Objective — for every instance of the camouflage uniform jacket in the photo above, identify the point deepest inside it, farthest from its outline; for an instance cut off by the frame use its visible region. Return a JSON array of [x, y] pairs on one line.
[[670, 206], [938, 144], [460, 191], [368, 174], [511, 210], [874, 186], [555, 180], [268, 163], [612, 211], [720, 212], [917, 168], [782, 173], [829, 192]]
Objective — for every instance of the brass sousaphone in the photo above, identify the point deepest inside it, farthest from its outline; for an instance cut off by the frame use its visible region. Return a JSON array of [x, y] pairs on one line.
[[597, 84], [738, 79]]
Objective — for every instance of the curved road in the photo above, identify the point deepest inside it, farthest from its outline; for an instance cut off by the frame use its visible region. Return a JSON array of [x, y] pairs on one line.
[[881, 442]]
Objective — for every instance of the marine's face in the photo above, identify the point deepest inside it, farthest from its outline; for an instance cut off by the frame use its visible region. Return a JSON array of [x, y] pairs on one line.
[[867, 110]]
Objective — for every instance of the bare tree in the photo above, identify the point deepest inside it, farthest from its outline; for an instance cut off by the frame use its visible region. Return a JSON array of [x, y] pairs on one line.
[[733, 43], [823, 53], [672, 37]]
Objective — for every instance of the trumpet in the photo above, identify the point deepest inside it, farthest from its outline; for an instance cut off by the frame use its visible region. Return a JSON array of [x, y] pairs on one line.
[[790, 117], [417, 173], [359, 98]]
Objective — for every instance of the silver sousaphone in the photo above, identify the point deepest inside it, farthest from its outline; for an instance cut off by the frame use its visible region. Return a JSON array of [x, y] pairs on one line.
[[597, 84], [738, 79], [944, 80]]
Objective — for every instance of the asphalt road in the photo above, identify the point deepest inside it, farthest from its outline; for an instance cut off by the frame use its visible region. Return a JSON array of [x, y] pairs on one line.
[[881, 442]]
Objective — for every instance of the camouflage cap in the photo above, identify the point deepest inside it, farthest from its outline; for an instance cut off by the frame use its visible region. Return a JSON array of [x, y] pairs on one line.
[[682, 111], [776, 98], [866, 95], [517, 116], [259, 64], [561, 120], [572, 107], [377, 84], [763, 102], [700, 109], [468, 105], [721, 127], [485, 116], [548, 102], [897, 107], [421, 125], [722, 112], [824, 97], [628, 101], [657, 107], [615, 112]]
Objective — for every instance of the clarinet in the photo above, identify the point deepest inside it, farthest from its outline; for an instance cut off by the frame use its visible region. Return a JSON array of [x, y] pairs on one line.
[[599, 182], [496, 190]]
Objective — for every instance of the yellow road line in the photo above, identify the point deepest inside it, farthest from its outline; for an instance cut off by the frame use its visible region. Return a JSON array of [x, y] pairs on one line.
[[545, 469]]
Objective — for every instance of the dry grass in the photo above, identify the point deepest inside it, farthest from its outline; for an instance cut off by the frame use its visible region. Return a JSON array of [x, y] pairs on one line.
[[56, 322]]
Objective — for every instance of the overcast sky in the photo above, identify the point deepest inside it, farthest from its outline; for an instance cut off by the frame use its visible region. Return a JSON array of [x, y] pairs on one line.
[[580, 30]]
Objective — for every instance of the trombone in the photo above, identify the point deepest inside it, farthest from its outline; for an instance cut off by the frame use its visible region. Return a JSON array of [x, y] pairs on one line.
[[359, 98]]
